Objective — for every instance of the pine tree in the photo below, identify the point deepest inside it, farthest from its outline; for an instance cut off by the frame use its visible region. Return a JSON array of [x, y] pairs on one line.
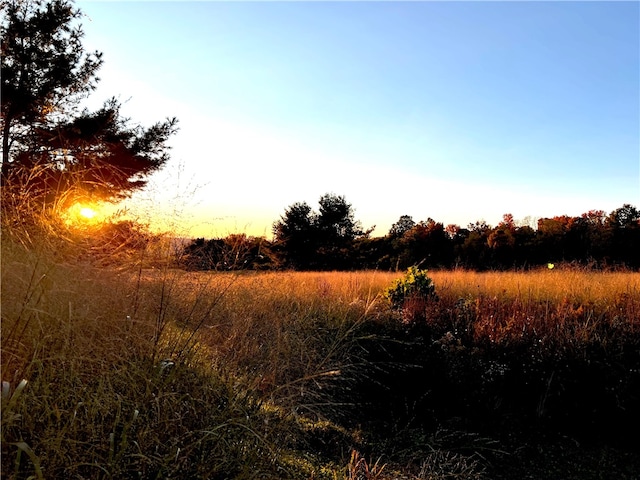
[[52, 150]]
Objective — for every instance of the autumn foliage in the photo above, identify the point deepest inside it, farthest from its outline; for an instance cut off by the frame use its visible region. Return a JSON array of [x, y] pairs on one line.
[[594, 239]]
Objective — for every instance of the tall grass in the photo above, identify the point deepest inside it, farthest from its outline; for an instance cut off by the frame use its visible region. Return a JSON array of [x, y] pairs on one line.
[[509, 353], [553, 285], [137, 370], [561, 307], [131, 369], [287, 334]]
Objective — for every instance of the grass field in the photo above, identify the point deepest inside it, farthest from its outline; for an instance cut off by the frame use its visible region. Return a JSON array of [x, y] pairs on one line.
[[132, 372]]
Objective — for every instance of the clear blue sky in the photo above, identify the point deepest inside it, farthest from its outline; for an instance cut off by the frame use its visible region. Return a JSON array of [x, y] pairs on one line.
[[457, 111]]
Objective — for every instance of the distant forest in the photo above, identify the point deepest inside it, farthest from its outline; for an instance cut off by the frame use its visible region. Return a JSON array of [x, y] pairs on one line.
[[331, 239]]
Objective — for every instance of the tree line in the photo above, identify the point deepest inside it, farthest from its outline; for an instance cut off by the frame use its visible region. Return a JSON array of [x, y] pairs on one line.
[[332, 239]]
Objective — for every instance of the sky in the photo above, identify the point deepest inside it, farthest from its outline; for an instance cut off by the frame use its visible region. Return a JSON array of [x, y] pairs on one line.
[[456, 111]]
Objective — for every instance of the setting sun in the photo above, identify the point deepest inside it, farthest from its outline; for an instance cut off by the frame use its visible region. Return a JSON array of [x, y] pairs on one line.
[[87, 212], [81, 214]]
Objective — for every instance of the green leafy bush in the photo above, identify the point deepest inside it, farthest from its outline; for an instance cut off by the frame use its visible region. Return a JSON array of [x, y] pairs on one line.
[[415, 285]]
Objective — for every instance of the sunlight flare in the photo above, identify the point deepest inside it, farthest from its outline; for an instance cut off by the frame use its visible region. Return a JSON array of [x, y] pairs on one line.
[[82, 215], [87, 213]]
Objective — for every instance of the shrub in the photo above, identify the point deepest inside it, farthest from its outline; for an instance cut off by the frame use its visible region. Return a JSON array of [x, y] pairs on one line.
[[414, 286]]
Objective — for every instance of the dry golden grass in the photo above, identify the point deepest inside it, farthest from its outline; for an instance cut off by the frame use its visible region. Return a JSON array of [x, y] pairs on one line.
[[64, 313], [289, 333], [89, 341], [270, 321], [285, 333], [265, 324], [557, 285], [559, 307], [86, 393]]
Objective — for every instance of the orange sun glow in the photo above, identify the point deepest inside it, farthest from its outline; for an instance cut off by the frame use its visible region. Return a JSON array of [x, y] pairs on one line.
[[87, 212], [82, 215]]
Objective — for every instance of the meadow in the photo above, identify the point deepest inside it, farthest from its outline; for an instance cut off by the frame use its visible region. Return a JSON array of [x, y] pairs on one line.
[[140, 370]]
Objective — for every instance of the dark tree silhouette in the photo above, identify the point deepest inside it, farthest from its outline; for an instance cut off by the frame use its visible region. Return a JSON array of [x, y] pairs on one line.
[[625, 217], [49, 145], [525, 247], [624, 224], [426, 244], [502, 241], [295, 236], [337, 218], [404, 224], [235, 252], [337, 229], [44, 67], [551, 238], [475, 249], [332, 239], [318, 240]]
